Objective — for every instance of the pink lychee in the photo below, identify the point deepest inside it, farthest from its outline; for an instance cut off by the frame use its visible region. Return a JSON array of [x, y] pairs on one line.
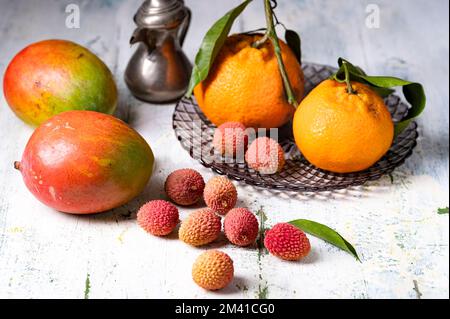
[[231, 139], [265, 156], [158, 217], [241, 226]]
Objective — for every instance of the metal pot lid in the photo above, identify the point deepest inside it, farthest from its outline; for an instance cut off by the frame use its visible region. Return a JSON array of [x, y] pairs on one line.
[[160, 14]]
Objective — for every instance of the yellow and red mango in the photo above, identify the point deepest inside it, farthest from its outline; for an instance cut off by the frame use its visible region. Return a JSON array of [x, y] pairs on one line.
[[85, 162], [54, 76]]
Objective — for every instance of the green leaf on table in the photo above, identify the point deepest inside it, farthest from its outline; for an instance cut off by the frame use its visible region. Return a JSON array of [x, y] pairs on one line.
[[442, 211], [325, 233], [295, 43], [211, 45], [413, 92]]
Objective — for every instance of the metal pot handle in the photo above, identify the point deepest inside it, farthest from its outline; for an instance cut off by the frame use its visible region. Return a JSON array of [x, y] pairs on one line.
[[144, 36], [185, 26]]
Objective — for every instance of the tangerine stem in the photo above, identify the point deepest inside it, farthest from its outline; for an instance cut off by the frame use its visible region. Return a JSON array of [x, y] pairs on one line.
[[271, 34], [276, 44], [261, 41], [347, 79]]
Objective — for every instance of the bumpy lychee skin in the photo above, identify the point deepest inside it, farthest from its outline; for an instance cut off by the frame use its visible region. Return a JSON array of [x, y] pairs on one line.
[[200, 228], [158, 217], [185, 186], [265, 156], [220, 194], [287, 242], [213, 270], [231, 139], [241, 227]]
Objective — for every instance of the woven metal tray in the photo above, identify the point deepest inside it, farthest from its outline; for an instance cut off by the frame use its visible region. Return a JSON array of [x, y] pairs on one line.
[[195, 133]]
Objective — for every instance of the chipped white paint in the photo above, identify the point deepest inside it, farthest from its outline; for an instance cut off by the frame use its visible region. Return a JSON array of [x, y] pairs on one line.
[[402, 241]]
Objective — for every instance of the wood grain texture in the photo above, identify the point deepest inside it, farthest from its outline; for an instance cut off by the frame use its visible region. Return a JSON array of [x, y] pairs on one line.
[[402, 241]]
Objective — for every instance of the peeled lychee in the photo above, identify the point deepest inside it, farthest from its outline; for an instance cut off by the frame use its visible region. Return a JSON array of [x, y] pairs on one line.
[[230, 139], [200, 228], [185, 186], [265, 156], [287, 242], [158, 217], [241, 226], [213, 270], [220, 194]]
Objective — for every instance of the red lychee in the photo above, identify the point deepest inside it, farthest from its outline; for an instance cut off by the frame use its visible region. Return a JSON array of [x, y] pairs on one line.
[[185, 186], [158, 217], [287, 242]]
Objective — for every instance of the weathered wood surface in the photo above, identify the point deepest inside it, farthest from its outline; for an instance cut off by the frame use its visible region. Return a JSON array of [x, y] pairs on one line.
[[402, 241]]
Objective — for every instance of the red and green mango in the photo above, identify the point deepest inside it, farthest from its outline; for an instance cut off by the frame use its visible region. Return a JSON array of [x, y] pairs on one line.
[[54, 76], [85, 162]]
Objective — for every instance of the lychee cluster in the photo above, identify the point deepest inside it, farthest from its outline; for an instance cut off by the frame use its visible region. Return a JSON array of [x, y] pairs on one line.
[[264, 155], [214, 269]]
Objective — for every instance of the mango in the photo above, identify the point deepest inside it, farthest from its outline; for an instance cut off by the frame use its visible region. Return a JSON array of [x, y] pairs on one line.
[[54, 76], [84, 162]]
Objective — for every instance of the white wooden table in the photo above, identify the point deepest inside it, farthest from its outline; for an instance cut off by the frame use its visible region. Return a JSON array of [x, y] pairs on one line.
[[402, 241]]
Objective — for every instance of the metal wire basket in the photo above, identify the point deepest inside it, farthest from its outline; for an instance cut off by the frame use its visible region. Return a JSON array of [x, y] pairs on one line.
[[195, 133]]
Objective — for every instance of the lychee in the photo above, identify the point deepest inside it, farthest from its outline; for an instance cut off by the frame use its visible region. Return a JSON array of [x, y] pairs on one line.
[[213, 270], [200, 228], [158, 217], [287, 242], [241, 226], [185, 186], [220, 194], [265, 156], [231, 139]]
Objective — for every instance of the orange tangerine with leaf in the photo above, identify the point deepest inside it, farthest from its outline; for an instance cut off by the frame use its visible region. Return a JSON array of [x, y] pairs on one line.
[[244, 84], [342, 131]]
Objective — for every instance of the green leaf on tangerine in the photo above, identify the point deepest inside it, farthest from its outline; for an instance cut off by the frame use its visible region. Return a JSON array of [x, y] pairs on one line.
[[211, 45], [413, 92], [295, 43]]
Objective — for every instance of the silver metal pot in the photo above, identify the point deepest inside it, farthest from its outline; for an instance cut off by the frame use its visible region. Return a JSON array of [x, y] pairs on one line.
[[159, 71]]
